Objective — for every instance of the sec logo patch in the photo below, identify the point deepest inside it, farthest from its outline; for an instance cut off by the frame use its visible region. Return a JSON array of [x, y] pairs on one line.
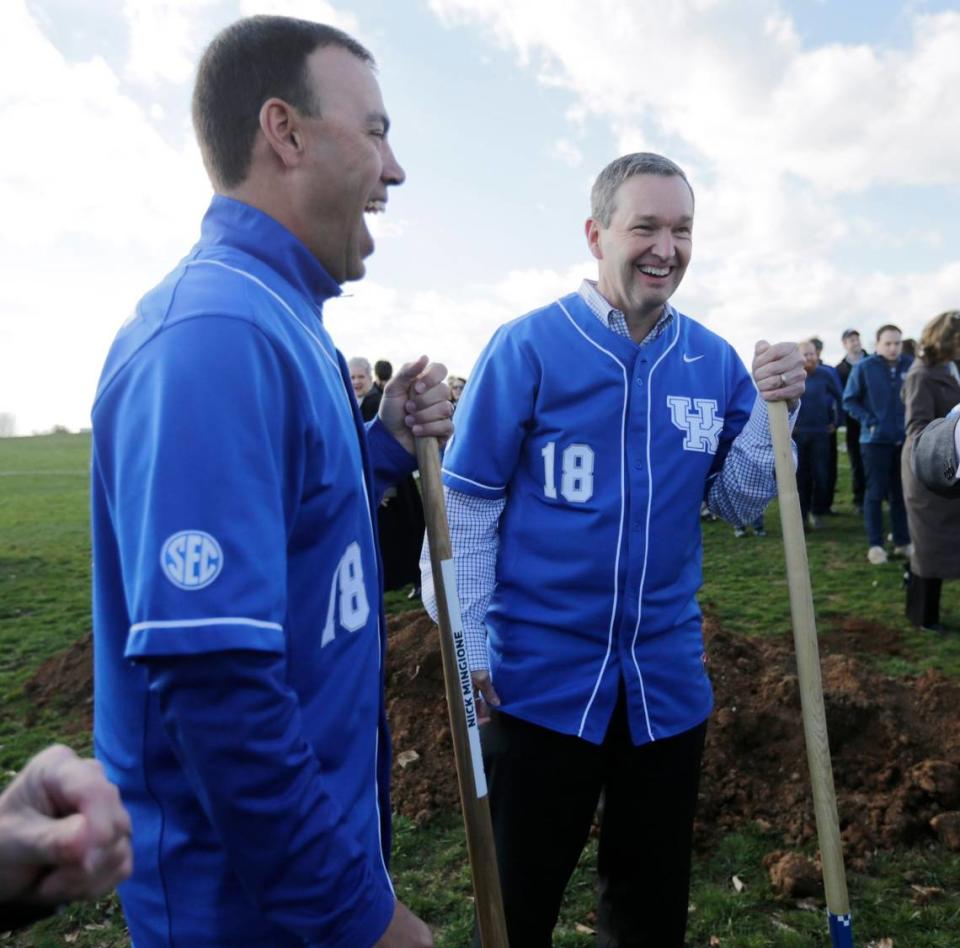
[[191, 559]]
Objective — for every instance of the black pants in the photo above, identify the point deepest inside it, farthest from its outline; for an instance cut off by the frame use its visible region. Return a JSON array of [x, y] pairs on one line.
[[857, 477], [813, 471], [832, 482], [544, 790], [923, 600]]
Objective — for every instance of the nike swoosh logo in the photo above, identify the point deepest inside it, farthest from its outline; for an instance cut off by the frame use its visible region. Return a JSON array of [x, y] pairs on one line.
[[687, 358]]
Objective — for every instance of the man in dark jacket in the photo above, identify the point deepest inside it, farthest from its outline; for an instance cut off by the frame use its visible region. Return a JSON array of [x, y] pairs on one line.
[[832, 441], [400, 522], [872, 396], [815, 427], [855, 353]]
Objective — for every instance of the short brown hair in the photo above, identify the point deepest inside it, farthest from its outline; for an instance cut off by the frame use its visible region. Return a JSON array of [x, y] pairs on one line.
[[888, 327], [619, 170], [248, 62], [938, 341]]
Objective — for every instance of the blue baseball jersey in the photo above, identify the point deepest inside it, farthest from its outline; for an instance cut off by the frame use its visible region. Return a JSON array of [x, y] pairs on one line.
[[234, 495], [604, 451]]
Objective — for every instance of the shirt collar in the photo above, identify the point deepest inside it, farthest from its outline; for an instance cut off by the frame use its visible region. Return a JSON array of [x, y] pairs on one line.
[[605, 311], [232, 223]]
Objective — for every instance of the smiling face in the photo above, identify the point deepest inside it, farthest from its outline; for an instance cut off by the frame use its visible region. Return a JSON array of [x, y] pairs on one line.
[[360, 378], [348, 164], [644, 252]]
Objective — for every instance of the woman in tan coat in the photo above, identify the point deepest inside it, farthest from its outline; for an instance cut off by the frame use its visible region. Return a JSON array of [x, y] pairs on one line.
[[931, 388]]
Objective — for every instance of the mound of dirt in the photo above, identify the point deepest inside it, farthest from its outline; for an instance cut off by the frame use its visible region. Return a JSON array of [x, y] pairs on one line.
[[64, 685], [895, 742]]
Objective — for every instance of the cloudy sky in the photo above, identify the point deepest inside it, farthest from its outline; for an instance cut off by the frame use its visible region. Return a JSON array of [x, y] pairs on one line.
[[822, 138]]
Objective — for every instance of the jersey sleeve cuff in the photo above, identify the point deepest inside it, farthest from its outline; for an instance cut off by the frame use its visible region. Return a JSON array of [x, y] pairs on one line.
[[196, 636], [466, 485], [390, 457], [757, 429], [366, 925]]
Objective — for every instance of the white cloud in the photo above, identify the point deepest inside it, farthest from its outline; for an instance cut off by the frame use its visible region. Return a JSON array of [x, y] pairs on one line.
[[567, 151], [850, 117], [102, 187], [317, 10], [164, 42], [379, 322], [167, 37], [99, 206], [771, 133], [731, 82]]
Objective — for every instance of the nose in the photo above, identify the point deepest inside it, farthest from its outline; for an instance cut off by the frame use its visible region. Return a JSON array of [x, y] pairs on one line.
[[663, 245], [392, 172]]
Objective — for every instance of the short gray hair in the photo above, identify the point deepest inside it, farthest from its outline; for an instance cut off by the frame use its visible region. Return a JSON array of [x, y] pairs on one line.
[[361, 363], [609, 180]]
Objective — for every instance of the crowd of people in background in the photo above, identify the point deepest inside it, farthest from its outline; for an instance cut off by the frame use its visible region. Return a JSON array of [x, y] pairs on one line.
[[876, 403], [400, 520], [882, 402]]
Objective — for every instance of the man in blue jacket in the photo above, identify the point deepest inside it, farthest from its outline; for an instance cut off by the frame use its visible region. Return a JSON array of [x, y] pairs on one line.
[[813, 433], [238, 612], [589, 434], [872, 396]]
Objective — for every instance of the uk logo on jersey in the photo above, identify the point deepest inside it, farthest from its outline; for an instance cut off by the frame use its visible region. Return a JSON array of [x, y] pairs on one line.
[[698, 419], [191, 559]]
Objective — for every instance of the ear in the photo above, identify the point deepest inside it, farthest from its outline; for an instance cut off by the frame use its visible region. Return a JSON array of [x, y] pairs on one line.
[[280, 125], [592, 229]]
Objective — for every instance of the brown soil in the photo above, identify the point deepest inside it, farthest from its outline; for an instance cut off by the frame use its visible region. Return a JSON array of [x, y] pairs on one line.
[[63, 684], [895, 742]]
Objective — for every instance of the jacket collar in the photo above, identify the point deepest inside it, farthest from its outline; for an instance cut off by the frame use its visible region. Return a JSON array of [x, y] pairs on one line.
[[232, 223]]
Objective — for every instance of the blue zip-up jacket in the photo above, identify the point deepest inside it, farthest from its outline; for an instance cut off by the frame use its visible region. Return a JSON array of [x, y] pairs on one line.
[[872, 396], [238, 625], [820, 405]]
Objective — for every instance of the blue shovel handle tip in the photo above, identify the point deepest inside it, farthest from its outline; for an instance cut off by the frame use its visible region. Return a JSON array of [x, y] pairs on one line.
[[841, 930]]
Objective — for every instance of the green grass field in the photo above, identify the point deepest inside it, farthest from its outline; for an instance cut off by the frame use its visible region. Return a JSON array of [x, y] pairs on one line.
[[44, 607]]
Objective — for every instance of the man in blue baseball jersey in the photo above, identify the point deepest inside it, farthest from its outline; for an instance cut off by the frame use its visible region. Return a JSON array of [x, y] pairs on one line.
[[238, 613], [588, 436]]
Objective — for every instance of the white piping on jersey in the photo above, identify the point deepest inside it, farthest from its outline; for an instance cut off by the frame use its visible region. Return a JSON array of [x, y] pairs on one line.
[[460, 477], [196, 623], [616, 562], [646, 535], [376, 761], [276, 296], [309, 332], [363, 481]]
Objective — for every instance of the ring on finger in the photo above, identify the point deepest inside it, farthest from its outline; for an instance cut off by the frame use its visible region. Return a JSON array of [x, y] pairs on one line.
[[783, 380]]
